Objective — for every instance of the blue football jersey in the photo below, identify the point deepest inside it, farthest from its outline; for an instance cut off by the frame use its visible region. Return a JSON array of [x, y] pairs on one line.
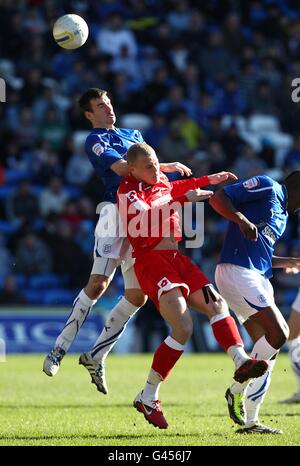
[[104, 147], [263, 201]]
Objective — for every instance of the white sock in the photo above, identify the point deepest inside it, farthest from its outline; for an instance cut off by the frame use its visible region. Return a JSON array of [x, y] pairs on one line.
[[294, 355], [154, 380], [80, 310], [152, 386], [238, 355], [114, 327], [263, 350], [256, 393]]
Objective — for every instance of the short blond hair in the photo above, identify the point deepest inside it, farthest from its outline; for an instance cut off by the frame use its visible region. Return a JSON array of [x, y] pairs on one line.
[[137, 149]]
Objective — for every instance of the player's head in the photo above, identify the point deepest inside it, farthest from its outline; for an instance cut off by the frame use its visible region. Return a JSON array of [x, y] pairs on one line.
[[143, 163], [292, 183], [96, 107]]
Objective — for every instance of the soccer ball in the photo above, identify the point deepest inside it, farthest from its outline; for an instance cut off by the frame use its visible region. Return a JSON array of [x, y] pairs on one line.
[[70, 31]]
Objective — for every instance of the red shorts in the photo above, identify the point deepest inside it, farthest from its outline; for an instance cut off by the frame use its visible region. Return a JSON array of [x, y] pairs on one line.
[[160, 271]]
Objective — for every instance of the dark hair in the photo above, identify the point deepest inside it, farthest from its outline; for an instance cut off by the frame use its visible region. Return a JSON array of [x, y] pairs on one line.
[[85, 100], [134, 151], [292, 181]]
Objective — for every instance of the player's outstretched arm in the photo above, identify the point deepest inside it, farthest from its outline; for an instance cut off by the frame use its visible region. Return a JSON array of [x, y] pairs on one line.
[[217, 178], [223, 205], [292, 264]]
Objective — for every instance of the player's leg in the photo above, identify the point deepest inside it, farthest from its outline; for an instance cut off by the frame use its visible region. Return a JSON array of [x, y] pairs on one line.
[[101, 275], [256, 391], [209, 302], [269, 331], [173, 309], [294, 347], [114, 327], [246, 292], [120, 315]]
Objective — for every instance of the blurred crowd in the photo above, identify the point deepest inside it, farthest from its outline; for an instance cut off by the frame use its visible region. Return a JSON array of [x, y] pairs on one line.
[[207, 82]]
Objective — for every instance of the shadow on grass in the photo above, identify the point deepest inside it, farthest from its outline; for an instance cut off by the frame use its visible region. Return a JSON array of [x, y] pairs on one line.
[[98, 437]]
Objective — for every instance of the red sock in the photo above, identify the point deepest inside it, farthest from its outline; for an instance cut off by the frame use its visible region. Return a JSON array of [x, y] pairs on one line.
[[226, 333], [164, 359]]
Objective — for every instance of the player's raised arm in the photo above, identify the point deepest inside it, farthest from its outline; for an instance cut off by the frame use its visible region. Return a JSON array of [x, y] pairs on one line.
[[222, 204]]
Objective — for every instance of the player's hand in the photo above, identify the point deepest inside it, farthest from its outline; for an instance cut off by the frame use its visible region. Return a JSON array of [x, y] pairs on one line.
[[196, 195], [249, 230], [293, 266], [176, 167], [218, 178], [292, 270]]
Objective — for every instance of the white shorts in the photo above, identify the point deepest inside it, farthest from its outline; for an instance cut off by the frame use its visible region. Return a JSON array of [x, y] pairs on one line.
[[296, 303], [112, 251], [246, 291]]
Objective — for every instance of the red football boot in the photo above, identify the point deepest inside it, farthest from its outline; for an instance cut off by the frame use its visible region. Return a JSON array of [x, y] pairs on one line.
[[251, 369], [151, 411]]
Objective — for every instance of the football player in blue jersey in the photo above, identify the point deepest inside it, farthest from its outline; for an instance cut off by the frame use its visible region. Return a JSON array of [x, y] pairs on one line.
[[258, 211], [294, 344], [106, 147]]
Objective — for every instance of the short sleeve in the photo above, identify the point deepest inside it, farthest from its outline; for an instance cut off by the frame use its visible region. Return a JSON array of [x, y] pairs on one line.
[[255, 188], [100, 153]]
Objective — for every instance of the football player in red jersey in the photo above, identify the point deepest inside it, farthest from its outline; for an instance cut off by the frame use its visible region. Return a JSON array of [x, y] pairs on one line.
[[169, 278]]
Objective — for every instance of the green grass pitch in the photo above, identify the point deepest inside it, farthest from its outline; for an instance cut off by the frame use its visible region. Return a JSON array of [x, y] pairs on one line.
[[68, 410]]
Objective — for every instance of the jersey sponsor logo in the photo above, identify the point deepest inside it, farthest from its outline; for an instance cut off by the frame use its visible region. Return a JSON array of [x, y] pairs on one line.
[[132, 196], [251, 183], [163, 282], [97, 148], [268, 233]]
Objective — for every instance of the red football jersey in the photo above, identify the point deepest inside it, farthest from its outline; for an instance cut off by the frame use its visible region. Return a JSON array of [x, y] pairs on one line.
[[151, 212]]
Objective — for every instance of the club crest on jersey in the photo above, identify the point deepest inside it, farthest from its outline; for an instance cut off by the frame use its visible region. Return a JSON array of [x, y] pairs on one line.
[[97, 148], [106, 249], [262, 299], [251, 183]]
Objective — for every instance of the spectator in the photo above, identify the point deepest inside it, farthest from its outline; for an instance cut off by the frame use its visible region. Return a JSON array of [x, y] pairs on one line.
[[10, 294], [6, 260], [22, 206], [53, 198], [33, 256], [248, 164], [114, 35]]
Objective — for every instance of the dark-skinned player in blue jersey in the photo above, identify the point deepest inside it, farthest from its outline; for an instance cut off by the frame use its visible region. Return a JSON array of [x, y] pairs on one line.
[[258, 211]]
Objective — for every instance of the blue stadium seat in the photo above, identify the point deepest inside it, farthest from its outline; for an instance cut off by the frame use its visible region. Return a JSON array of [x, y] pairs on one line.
[[21, 280], [5, 191], [45, 281], [34, 296], [13, 176], [58, 297], [73, 191], [8, 228]]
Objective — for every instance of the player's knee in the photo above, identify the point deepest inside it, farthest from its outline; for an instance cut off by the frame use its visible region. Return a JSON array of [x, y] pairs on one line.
[[135, 297], [219, 305], [96, 286]]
